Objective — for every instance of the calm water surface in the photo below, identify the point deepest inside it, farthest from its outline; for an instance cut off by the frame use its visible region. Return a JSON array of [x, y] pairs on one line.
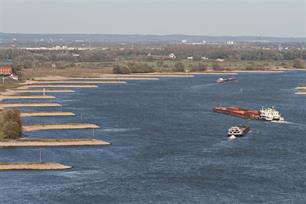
[[169, 147]]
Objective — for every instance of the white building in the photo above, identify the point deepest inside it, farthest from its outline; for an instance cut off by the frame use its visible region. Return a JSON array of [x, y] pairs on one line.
[[190, 58], [172, 56], [220, 60]]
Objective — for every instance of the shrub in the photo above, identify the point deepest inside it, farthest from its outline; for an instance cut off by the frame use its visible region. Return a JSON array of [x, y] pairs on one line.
[[140, 68], [117, 69], [199, 68], [179, 67], [299, 63], [10, 124], [132, 68], [217, 67]]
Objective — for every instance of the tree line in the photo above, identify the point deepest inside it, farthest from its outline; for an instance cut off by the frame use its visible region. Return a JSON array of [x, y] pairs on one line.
[[99, 58]]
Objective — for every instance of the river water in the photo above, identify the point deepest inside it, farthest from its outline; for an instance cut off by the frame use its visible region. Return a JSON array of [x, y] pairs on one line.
[[169, 147]]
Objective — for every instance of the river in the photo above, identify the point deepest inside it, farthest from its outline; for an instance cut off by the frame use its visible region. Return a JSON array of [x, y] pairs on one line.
[[169, 147]]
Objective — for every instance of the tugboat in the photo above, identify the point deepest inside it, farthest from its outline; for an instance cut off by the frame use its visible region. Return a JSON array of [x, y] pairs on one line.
[[270, 114], [238, 131]]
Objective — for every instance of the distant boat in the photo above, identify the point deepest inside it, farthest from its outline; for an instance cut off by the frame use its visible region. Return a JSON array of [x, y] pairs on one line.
[[238, 131], [220, 80], [223, 80]]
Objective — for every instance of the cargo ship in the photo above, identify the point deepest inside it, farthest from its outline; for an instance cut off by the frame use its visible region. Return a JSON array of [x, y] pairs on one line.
[[238, 131], [238, 112], [267, 114]]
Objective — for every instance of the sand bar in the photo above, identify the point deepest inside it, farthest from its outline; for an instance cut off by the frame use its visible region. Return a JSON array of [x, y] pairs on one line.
[[8, 92], [135, 76], [146, 75], [32, 166], [260, 71], [301, 87], [300, 93], [52, 142], [45, 114], [58, 86], [15, 105], [215, 73], [27, 97], [78, 82], [176, 75], [65, 126], [45, 91], [107, 79]]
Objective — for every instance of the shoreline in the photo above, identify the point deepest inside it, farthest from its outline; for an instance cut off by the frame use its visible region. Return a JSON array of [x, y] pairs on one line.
[[5, 166], [145, 76], [30, 142], [262, 71], [73, 82], [112, 78]]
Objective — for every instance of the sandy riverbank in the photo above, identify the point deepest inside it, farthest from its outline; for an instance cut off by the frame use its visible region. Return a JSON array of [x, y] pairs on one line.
[[214, 73], [42, 114], [32, 166], [103, 79], [139, 76], [261, 71], [66, 126], [136, 76], [16, 105], [155, 74], [52, 142], [77, 82]]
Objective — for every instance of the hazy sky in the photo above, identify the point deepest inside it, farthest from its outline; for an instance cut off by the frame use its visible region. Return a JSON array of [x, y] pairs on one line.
[[284, 18]]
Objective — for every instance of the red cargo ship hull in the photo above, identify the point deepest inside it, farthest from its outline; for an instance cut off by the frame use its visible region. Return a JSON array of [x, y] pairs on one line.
[[238, 112]]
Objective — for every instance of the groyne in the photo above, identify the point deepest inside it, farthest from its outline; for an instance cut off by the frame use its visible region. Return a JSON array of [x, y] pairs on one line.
[[25, 142], [5, 166], [26, 97], [65, 126], [45, 91], [16, 105], [57, 86], [42, 114]]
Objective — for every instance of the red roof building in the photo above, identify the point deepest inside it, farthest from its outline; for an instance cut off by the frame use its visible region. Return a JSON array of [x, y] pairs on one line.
[[6, 70]]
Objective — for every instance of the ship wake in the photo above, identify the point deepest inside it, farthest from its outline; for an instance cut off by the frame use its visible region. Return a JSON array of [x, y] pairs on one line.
[[290, 123]]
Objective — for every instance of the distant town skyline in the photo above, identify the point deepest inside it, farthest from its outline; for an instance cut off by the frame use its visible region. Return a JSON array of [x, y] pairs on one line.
[[279, 18]]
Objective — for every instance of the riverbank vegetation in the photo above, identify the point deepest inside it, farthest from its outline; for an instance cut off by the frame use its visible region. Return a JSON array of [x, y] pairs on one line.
[[139, 58], [7, 84], [10, 124]]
